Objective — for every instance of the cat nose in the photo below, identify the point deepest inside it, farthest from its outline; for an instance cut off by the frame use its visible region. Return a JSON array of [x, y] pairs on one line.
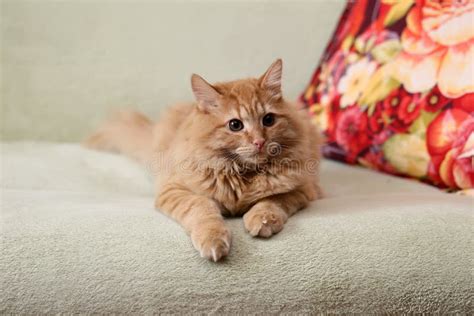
[[259, 143]]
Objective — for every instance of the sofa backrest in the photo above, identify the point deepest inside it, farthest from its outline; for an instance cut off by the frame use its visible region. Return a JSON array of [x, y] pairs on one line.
[[66, 64]]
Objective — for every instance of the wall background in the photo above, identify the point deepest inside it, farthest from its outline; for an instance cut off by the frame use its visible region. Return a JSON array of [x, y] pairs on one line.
[[66, 64]]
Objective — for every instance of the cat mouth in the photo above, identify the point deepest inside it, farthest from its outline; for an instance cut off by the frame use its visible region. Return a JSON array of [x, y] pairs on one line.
[[255, 158], [250, 153], [246, 151], [271, 149]]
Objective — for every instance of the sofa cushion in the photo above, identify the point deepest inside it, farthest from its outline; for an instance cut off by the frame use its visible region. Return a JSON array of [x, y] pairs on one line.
[[79, 234]]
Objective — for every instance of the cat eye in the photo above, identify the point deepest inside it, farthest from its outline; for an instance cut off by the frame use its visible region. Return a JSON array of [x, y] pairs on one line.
[[268, 120], [236, 125]]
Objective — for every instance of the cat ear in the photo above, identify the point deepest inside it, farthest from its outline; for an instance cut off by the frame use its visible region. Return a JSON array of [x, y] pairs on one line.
[[271, 79], [204, 92]]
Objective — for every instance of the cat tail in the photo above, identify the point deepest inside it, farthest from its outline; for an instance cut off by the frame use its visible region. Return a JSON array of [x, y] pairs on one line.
[[127, 132]]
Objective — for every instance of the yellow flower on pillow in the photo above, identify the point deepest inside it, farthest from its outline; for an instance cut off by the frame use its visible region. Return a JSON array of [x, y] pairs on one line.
[[320, 115], [354, 82], [408, 154]]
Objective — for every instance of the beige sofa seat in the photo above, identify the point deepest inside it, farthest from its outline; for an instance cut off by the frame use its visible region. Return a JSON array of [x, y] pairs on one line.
[[79, 234]]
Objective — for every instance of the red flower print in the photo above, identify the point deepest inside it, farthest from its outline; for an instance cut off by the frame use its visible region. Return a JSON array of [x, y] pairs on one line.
[[351, 132], [463, 172], [332, 120], [442, 131], [407, 116], [400, 109], [433, 174], [450, 140], [374, 159], [376, 120], [466, 103], [377, 124], [409, 109], [381, 137], [463, 155], [434, 101]]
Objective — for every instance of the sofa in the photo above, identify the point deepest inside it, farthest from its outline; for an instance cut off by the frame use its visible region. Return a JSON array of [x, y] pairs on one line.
[[79, 233]]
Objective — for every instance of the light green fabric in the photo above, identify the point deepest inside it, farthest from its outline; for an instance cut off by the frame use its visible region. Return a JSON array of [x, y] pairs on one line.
[[79, 234], [66, 64]]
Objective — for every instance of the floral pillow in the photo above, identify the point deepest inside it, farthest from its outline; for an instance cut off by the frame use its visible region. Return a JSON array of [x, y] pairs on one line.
[[394, 90]]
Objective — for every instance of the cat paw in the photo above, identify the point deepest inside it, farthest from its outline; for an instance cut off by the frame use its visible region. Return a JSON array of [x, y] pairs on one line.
[[264, 222], [212, 241]]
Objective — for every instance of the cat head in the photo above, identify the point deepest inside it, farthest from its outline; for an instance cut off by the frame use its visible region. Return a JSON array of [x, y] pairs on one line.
[[247, 120]]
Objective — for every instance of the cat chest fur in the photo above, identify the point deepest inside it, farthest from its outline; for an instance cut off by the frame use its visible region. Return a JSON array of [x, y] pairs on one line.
[[234, 192]]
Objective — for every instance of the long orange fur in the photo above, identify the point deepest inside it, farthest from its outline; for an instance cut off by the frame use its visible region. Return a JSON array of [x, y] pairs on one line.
[[204, 170]]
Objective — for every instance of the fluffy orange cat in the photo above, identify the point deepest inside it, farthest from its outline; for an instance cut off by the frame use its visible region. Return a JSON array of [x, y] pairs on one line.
[[241, 149]]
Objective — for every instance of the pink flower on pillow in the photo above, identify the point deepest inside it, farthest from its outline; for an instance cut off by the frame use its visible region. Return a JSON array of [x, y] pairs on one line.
[[438, 48], [456, 170], [450, 140], [351, 132]]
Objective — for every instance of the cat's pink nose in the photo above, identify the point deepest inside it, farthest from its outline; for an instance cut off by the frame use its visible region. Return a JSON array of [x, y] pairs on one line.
[[259, 143]]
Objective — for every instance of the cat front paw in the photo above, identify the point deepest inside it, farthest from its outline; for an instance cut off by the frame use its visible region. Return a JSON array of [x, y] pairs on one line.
[[212, 240], [264, 221]]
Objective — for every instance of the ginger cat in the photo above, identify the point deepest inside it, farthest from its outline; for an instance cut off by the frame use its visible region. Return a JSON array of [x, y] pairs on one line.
[[241, 149]]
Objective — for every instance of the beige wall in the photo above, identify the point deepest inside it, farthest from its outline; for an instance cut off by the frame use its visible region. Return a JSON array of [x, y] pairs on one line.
[[65, 64]]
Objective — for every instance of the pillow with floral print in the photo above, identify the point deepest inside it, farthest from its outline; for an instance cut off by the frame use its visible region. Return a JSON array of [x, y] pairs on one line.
[[394, 90]]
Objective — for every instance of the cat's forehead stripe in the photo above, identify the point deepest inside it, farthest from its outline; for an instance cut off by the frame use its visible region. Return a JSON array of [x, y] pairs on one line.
[[236, 111], [247, 111]]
